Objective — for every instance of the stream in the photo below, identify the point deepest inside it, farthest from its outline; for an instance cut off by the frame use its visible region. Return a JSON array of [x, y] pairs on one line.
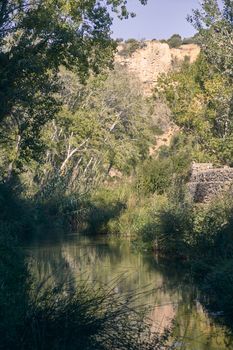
[[162, 285]]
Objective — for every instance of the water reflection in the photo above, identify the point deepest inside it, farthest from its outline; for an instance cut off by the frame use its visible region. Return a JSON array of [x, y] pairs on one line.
[[161, 286]]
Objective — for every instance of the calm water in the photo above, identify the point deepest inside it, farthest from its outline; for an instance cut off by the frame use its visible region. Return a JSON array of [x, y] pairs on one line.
[[160, 284]]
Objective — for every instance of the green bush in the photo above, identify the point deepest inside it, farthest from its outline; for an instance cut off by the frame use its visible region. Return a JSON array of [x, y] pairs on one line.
[[157, 175], [212, 227], [130, 46], [175, 222], [154, 175], [103, 206], [175, 41], [134, 220]]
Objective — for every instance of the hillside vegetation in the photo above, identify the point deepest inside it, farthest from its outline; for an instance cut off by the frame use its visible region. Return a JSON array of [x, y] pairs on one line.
[[130, 46], [156, 209], [75, 138]]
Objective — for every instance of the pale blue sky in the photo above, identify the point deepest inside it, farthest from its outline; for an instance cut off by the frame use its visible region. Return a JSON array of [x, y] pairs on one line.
[[157, 20]]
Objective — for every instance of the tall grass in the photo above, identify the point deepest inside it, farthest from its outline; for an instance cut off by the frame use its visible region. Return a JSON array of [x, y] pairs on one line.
[[87, 318], [67, 315]]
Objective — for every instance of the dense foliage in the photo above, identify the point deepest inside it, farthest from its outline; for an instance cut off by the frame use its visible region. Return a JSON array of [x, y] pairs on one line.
[[201, 102], [156, 207], [36, 39], [69, 121], [58, 134], [67, 124]]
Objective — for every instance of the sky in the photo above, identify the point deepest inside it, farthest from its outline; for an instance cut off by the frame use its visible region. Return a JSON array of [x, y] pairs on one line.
[[159, 19]]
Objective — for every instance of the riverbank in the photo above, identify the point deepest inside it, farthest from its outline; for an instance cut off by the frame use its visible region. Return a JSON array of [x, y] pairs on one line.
[[198, 236], [114, 207]]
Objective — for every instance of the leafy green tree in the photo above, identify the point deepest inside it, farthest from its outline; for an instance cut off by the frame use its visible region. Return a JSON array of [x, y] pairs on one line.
[[200, 99], [214, 22], [36, 39], [103, 125], [200, 95]]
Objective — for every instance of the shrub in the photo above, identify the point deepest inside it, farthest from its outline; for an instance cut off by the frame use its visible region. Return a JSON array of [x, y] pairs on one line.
[[175, 41], [130, 46], [157, 175], [135, 219], [175, 222], [213, 224], [87, 317], [154, 175], [104, 205]]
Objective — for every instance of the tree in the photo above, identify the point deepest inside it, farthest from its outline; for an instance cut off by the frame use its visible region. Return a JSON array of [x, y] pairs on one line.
[[215, 26], [200, 100], [201, 95], [175, 41], [103, 124], [37, 37]]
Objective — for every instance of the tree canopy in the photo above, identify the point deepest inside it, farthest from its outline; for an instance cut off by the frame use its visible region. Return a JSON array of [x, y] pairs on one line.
[[200, 95], [37, 37], [214, 22]]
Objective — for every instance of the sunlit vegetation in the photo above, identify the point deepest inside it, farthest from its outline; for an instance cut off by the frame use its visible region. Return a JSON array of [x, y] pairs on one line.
[[75, 137], [58, 139], [130, 46], [157, 210], [175, 41]]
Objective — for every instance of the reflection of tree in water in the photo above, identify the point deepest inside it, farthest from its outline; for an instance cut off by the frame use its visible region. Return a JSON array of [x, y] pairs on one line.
[[102, 263], [196, 329], [159, 284], [176, 277], [192, 324], [49, 266]]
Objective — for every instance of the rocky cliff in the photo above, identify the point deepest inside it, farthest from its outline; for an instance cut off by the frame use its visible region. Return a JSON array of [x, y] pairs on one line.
[[154, 58]]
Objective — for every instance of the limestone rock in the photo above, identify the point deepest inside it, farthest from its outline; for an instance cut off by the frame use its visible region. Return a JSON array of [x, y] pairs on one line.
[[154, 58]]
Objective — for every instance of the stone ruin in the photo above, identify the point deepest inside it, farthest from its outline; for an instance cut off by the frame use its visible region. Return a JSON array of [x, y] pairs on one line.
[[207, 181]]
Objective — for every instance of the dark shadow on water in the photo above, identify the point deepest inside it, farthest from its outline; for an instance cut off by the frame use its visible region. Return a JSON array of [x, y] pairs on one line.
[[173, 296]]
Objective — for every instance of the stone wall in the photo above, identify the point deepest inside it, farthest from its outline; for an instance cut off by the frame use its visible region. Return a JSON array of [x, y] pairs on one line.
[[207, 181]]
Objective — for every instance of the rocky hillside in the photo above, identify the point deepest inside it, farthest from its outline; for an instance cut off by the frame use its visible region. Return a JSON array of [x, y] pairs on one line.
[[154, 58]]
